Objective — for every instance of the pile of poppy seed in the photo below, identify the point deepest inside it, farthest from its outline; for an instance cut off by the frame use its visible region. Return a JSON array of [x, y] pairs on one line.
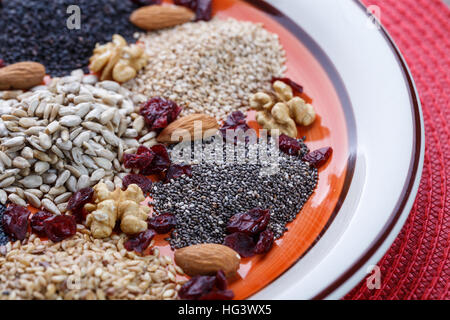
[[204, 202], [36, 30]]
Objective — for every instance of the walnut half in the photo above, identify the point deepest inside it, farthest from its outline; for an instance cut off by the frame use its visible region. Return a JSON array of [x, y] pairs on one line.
[[117, 60]]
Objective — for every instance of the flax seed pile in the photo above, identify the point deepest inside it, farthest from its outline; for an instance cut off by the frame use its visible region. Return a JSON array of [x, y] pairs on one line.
[[210, 67], [84, 268]]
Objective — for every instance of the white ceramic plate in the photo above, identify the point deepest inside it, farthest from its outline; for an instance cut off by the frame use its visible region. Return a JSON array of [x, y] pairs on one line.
[[389, 155]]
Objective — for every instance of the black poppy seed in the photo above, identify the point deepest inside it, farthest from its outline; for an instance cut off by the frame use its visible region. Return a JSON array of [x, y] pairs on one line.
[[36, 30]]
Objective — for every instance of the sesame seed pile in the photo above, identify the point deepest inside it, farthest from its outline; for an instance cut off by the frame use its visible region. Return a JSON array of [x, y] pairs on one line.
[[204, 202], [210, 67]]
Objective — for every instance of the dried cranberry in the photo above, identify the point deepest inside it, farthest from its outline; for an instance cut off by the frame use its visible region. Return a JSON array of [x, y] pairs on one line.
[[191, 4], [2, 63], [221, 280], [265, 242], [241, 243], [140, 160], [251, 222], [159, 112], [197, 287], [206, 288], [140, 242], [218, 295], [148, 161], [60, 227], [142, 3], [15, 221], [235, 121], [160, 162], [203, 11], [162, 223], [77, 202], [37, 222], [289, 145], [318, 157], [142, 181], [175, 171], [295, 86]]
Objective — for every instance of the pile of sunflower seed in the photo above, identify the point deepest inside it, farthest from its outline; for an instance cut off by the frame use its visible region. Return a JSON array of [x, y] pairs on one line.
[[204, 202], [66, 136]]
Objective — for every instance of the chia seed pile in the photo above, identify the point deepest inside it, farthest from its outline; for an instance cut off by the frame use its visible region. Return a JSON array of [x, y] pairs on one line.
[[3, 237], [204, 202], [36, 30]]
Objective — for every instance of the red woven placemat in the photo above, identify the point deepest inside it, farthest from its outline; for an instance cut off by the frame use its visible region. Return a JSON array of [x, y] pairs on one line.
[[417, 266]]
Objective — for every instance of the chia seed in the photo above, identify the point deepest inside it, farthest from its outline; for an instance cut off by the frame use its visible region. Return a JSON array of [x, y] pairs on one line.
[[204, 202], [3, 236], [36, 30]]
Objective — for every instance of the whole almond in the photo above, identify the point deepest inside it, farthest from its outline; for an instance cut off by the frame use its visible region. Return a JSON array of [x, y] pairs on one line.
[[21, 75], [207, 259], [157, 17], [192, 127]]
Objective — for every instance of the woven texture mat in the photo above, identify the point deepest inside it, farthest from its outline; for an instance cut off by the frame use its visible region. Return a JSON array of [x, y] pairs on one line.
[[417, 266]]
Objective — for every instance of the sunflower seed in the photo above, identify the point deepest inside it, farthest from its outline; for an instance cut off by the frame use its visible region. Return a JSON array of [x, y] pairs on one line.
[[41, 167], [70, 121], [7, 182], [83, 98], [73, 171], [94, 126], [97, 175], [103, 163], [71, 184], [32, 181], [5, 159], [38, 193], [3, 196], [77, 155], [139, 123], [50, 206], [33, 200], [45, 141], [56, 191], [17, 200], [83, 109], [41, 156], [13, 142], [63, 197], [83, 182], [107, 116], [82, 137], [27, 153], [110, 137], [27, 122], [62, 178], [52, 127]]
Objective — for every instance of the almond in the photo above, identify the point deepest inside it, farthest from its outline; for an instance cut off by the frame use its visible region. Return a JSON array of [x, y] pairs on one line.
[[191, 127], [207, 259], [157, 17], [21, 75]]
